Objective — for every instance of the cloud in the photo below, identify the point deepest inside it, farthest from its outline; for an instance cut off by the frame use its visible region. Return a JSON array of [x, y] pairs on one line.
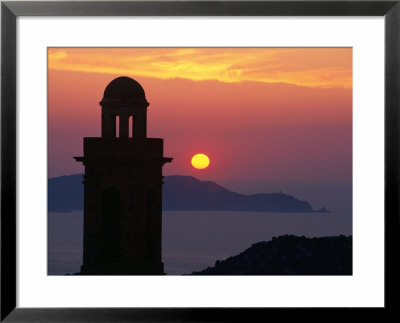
[[311, 67]]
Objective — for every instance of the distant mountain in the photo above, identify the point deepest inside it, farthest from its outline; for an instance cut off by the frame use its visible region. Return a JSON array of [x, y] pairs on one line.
[[188, 193], [181, 193]]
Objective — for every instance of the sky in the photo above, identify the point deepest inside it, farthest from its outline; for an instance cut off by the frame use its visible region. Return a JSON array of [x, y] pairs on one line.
[[269, 119]]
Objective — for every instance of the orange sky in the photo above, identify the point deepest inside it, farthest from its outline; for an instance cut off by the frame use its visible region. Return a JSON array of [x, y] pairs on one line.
[[312, 67], [259, 113]]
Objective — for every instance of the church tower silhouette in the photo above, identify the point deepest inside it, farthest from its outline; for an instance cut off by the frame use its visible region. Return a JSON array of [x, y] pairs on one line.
[[122, 188]]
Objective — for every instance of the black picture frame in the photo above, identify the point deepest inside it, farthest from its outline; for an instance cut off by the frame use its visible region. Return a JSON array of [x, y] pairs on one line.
[[11, 10]]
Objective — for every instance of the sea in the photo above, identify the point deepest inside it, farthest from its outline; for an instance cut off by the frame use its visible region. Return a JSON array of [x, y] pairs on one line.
[[195, 240]]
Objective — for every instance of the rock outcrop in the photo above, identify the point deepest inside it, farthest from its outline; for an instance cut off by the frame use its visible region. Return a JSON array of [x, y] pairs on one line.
[[290, 255]]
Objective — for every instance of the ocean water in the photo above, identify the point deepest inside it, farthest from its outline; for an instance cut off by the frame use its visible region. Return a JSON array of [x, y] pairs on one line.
[[194, 240]]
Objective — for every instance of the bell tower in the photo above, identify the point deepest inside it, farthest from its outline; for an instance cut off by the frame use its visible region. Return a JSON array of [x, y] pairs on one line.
[[123, 187]]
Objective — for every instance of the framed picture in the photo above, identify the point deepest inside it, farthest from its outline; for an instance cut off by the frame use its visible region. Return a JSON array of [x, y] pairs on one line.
[[295, 100], [254, 135]]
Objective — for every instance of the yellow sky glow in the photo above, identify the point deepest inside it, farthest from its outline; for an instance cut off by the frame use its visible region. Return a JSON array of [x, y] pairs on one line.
[[311, 67]]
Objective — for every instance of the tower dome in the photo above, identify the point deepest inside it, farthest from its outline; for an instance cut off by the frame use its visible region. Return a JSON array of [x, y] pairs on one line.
[[125, 90]]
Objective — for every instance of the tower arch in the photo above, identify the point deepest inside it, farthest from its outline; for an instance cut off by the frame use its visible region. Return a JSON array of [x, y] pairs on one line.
[[110, 225]]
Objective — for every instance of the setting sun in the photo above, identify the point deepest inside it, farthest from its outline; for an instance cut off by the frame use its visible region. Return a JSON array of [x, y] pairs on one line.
[[200, 161]]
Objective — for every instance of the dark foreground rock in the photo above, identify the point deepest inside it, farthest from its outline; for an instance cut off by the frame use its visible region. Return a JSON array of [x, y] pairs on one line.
[[290, 255]]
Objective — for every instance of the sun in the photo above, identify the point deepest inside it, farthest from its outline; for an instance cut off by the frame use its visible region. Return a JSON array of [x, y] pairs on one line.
[[200, 161]]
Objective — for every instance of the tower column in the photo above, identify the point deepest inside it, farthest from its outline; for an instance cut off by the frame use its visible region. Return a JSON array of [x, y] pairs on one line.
[[124, 126], [108, 125], [140, 130]]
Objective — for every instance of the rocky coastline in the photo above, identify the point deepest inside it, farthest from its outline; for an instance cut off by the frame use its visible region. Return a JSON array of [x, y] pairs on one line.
[[289, 255]]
